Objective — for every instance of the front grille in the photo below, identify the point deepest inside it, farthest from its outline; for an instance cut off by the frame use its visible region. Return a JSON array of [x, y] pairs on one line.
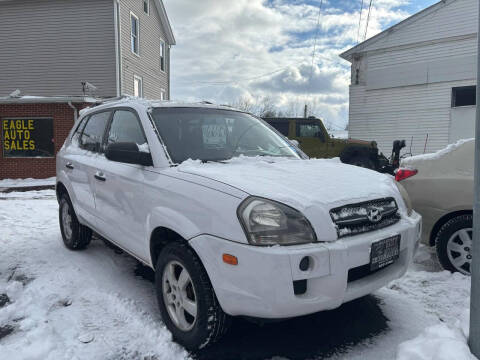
[[364, 217]]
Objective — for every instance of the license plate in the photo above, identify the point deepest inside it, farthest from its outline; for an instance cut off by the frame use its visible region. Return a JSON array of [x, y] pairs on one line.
[[384, 252]]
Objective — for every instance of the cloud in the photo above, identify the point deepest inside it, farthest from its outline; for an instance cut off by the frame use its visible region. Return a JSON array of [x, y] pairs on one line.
[[257, 49]]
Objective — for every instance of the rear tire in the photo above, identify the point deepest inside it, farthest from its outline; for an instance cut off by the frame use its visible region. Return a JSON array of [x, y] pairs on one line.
[[454, 244], [362, 161], [208, 323], [75, 235]]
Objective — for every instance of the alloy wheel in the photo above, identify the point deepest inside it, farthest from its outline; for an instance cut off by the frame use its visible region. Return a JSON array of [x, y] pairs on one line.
[[67, 221], [179, 296], [459, 249]]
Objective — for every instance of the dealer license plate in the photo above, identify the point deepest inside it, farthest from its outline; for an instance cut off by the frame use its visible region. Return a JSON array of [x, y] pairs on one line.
[[384, 252]]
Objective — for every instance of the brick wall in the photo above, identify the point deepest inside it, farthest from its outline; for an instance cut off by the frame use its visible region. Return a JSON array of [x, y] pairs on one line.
[[39, 168]]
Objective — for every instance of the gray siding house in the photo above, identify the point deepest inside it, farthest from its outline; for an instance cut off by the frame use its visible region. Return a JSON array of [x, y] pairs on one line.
[[49, 47]]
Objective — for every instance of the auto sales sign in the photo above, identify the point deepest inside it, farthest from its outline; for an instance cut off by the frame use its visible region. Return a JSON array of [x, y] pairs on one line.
[[27, 137]]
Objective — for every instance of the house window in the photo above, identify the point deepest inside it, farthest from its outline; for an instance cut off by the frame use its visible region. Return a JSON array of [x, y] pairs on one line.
[[146, 6], [464, 96], [137, 86], [163, 94], [135, 33], [162, 55]]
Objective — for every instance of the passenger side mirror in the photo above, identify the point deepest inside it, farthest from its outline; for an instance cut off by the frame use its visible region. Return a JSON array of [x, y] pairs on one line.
[[126, 152]]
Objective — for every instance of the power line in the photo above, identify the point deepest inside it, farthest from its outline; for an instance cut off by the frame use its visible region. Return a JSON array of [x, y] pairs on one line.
[[315, 42], [359, 23], [368, 19]]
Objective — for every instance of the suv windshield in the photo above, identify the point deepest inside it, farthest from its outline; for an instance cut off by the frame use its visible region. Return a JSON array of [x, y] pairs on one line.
[[216, 135]]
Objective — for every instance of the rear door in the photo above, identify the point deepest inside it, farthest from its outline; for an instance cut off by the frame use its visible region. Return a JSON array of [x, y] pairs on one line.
[[120, 188], [80, 162]]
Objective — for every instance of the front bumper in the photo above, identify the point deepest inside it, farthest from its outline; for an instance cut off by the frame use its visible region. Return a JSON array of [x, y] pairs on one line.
[[261, 285]]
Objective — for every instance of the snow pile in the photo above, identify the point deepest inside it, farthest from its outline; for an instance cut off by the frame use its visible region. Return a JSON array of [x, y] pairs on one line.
[[437, 155], [15, 183], [71, 305], [439, 342]]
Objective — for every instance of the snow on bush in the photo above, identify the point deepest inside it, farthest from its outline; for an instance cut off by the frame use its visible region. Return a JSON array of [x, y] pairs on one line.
[[439, 342]]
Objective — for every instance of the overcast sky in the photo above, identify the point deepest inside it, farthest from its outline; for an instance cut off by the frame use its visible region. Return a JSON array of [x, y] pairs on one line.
[[252, 49]]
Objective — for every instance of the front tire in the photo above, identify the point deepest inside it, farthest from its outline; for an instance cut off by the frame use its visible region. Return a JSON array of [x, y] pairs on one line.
[[454, 244], [186, 298], [75, 235]]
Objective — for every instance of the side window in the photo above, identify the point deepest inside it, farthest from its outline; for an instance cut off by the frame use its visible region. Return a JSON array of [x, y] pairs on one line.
[[78, 131], [310, 130], [126, 127], [92, 135], [281, 126]]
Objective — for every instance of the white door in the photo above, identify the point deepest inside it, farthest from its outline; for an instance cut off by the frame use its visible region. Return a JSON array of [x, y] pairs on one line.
[[120, 197], [80, 164]]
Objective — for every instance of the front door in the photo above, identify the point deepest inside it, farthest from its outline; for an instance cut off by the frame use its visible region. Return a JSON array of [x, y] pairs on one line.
[[120, 189]]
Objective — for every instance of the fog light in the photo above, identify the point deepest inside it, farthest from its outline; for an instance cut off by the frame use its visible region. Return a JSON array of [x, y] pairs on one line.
[[305, 263]]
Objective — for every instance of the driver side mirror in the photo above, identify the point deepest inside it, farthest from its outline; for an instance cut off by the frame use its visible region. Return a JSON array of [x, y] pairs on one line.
[[126, 152]]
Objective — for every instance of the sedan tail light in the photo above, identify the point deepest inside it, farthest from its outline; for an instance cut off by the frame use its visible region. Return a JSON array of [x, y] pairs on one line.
[[402, 174]]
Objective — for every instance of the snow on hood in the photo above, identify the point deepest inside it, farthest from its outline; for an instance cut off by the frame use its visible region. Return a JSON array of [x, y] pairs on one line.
[[298, 183]]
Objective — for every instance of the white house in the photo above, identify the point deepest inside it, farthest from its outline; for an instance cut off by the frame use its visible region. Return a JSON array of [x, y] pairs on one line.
[[417, 79]]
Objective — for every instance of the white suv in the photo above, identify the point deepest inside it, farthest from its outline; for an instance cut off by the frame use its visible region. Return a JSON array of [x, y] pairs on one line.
[[233, 218]]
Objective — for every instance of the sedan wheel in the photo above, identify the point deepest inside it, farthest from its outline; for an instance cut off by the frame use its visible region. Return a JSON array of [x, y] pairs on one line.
[[459, 248], [179, 296], [454, 244]]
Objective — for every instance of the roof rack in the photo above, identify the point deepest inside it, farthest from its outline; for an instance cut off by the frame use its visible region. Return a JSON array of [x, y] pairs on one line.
[[106, 100]]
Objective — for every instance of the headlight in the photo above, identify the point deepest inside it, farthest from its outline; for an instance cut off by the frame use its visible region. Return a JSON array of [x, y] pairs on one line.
[[268, 222], [406, 198]]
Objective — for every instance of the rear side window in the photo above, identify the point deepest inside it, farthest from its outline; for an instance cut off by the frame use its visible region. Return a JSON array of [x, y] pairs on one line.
[[126, 127], [310, 130], [281, 126], [92, 135]]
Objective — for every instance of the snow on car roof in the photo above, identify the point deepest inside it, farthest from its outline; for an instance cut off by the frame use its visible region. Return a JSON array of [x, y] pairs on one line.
[[130, 100], [436, 155]]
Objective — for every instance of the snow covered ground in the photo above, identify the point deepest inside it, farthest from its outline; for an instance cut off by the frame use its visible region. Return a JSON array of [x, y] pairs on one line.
[[15, 183], [94, 305]]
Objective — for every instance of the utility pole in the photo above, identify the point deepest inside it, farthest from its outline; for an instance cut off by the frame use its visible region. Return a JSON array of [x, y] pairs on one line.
[[474, 338]]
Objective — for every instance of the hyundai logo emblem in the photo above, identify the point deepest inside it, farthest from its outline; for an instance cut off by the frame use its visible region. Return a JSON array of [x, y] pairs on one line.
[[374, 215]]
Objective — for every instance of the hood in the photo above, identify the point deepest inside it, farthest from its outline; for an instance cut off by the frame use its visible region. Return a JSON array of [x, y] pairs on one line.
[[299, 183]]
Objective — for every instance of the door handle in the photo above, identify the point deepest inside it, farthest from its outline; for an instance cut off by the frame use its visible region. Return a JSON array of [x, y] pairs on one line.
[[69, 165], [100, 177]]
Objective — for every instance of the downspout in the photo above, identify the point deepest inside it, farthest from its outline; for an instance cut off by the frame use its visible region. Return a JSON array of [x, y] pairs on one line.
[[75, 112], [118, 55]]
